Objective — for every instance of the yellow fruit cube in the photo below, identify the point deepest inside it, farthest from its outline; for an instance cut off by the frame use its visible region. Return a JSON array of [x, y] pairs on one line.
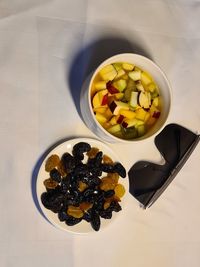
[[140, 114], [145, 78], [127, 66], [108, 73], [127, 113]]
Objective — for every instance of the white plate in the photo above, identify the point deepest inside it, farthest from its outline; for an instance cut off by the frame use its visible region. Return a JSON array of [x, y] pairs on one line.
[[83, 226]]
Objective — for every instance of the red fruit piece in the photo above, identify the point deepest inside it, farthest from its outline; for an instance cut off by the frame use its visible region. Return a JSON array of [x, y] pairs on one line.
[[124, 124], [111, 89], [156, 114], [104, 100], [120, 119]]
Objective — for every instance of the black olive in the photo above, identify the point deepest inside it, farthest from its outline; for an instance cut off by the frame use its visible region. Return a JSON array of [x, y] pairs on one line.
[[55, 175], [72, 221], [106, 214]]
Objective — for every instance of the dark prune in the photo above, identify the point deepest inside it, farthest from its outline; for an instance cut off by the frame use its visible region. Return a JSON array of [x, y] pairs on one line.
[[98, 158], [72, 221], [119, 168], [52, 200], [55, 175], [115, 206], [109, 193], [79, 149], [87, 216], [106, 214], [88, 192], [95, 220], [81, 170], [107, 168], [62, 216], [68, 162]]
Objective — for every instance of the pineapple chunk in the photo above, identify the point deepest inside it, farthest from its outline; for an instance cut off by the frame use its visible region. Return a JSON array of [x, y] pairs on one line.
[[101, 110], [108, 73], [152, 87], [146, 78], [118, 96], [127, 66], [127, 113], [117, 66], [156, 102], [140, 114], [113, 120], [100, 85], [100, 118]]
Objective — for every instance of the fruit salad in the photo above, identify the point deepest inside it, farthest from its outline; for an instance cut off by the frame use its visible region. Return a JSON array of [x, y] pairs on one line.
[[125, 100]]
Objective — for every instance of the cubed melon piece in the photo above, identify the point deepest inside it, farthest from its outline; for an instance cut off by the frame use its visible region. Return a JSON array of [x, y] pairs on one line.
[[118, 96], [120, 73], [131, 122], [114, 129], [152, 87], [117, 66], [139, 86], [145, 78], [100, 118], [113, 120], [141, 130], [127, 113], [140, 114], [127, 66], [108, 73], [101, 110], [120, 84], [156, 102], [108, 114], [134, 99], [135, 75]]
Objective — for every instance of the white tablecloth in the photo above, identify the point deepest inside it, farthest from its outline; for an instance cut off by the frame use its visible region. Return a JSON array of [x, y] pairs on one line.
[[46, 49]]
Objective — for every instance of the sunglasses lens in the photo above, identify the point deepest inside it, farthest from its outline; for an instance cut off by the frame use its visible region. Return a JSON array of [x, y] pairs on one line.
[[173, 142], [147, 179]]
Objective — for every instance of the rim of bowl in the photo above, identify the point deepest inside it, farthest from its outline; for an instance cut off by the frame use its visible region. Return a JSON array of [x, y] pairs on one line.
[[142, 138]]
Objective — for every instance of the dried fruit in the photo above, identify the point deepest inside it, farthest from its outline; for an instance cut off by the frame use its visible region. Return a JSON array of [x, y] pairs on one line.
[[75, 189], [52, 162], [119, 190], [50, 183]]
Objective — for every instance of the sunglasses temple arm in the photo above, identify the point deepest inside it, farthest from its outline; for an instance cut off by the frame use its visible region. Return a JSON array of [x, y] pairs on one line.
[[173, 173]]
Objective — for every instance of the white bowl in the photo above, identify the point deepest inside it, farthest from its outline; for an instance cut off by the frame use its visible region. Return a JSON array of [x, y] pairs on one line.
[[143, 63]]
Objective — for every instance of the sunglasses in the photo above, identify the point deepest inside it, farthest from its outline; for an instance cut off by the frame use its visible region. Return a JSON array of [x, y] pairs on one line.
[[147, 180]]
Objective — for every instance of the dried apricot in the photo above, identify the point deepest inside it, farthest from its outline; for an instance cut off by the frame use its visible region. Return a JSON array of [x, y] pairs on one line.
[[106, 204], [114, 177], [119, 190], [107, 184], [52, 162]]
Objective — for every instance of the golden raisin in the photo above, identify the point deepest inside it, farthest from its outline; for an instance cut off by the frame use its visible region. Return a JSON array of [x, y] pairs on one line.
[[61, 169], [50, 183], [76, 212], [82, 186], [119, 190], [92, 152], [107, 184], [52, 162], [106, 205], [107, 160], [114, 177]]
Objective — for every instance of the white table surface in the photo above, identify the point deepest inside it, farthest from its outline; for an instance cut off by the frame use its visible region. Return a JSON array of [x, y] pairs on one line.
[[46, 49]]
